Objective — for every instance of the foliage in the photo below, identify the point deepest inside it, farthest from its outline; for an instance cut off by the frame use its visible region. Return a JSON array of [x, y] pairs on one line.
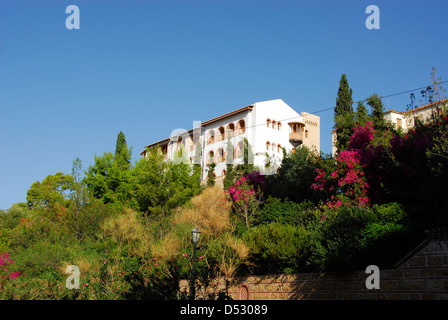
[[350, 236], [295, 177], [287, 212], [50, 192], [211, 174], [159, 186], [361, 115], [345, 181], [276, 247], [246, 196], [374, 101], [343, 114]]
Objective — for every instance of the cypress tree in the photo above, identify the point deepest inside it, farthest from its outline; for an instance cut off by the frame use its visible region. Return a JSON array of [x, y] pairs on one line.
[[343, 114], [121, 144], [344, 100]]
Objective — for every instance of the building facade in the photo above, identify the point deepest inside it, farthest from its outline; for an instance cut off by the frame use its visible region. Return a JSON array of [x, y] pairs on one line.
[[406, 120], [268, 126]]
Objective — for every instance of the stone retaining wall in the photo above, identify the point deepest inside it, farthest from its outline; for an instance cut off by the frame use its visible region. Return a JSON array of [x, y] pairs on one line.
[[422, 275]]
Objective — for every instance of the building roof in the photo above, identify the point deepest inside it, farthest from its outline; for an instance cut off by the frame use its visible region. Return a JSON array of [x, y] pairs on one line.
[[164, 141], [249, 107], [430, 105]]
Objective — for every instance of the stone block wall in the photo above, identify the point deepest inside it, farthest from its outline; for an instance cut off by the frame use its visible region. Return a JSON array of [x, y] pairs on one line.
[[422, 275]]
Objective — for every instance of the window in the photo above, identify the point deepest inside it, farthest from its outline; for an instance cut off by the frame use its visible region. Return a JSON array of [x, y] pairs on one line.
[[239, 149], [220, 155], [241, 127], [279, 125], [268, 145], [273, 147], [268, 123], [274, 124], [210, 157], [211, 137], [221, 134], [398, 123], [230, 129], [279, 148]]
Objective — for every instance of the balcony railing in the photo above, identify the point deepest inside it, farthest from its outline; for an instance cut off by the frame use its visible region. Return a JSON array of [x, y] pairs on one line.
[[296, 137]]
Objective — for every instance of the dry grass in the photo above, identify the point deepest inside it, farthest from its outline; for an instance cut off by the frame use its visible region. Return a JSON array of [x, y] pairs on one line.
[[128, 229], [209, 211]]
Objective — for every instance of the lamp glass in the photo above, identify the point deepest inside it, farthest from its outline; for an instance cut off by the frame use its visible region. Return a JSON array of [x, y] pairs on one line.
[[195, 234]]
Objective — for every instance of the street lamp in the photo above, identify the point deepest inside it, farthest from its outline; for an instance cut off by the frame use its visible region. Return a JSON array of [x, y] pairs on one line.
[[195, 234]]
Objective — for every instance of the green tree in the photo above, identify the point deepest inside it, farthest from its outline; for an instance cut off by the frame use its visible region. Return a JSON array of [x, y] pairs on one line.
[[377, 111], [295, 177], [109, 177], [159, 186], [53, 190], [343, 114], [121, 144], [362, 114], [211, 174]]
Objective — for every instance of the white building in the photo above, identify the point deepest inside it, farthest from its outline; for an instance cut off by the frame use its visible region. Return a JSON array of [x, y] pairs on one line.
[[406, 120], [268, 126]]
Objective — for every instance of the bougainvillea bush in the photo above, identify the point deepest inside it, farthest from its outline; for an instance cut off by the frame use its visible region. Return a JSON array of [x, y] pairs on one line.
[[381, 166], [246, 196]]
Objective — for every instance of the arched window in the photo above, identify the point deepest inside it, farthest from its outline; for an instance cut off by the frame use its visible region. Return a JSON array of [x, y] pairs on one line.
[[279, 125], [279, 148], [220, 155], [241, 127], [211, 137], [268, 123], [274, 124], [210, 157], [274, 147], [221, 134], [239, 149], [268, 145], [230, 129]]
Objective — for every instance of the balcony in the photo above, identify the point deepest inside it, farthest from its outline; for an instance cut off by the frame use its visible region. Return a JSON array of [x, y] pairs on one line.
[[296, 137]]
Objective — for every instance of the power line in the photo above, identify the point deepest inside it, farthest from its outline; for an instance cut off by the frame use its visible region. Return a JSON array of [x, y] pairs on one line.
[[396, 94], [332, 108]]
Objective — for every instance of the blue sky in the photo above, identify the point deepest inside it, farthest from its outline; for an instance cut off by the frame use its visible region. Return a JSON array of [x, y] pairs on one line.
[[149, 67]]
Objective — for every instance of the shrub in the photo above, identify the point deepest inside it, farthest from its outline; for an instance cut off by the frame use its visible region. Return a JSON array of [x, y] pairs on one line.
[[352, 237], [287, 212], [276, 247]]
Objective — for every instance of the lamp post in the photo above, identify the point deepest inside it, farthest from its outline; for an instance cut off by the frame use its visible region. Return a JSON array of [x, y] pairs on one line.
[[195, 234]]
